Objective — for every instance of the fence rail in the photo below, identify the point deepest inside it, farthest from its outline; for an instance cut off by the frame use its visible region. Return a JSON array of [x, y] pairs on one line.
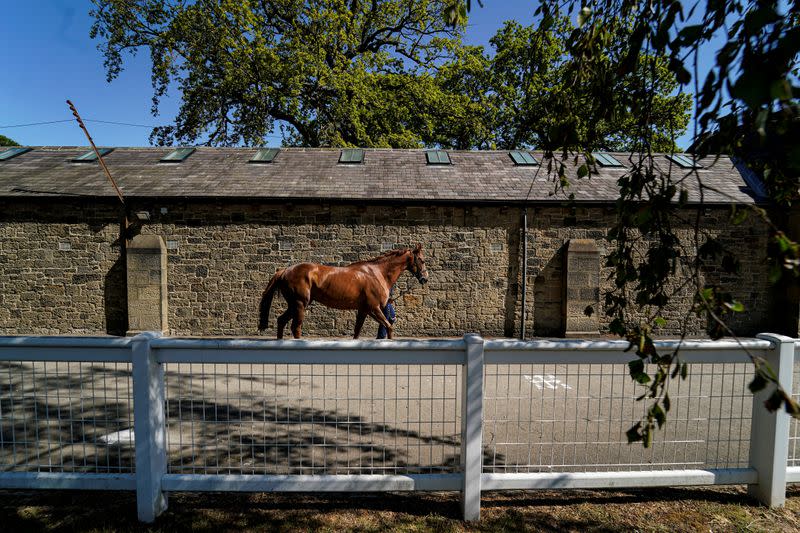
[[160, 415]]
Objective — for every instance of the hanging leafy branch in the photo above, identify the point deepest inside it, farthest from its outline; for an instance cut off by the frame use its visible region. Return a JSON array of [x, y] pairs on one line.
[[746, 106]]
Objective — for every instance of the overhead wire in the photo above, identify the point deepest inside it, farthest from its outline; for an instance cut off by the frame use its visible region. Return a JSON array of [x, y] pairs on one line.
[[72, 119], [95, 120]]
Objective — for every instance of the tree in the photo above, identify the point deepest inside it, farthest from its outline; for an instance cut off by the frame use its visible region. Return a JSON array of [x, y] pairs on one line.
[[328, 72], [746, 106], [5, 141], [336, 73], [531, 71]]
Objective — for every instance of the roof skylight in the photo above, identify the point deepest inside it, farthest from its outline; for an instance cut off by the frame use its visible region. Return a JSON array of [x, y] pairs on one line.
[[91, 156], [265, 155], [684, 161], [351, 155], [523, 158], [5, 155], [437, 157], [606, 160], [177, 155]]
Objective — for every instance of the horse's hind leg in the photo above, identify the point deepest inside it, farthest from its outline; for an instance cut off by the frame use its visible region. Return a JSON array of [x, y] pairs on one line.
[[297, 320], [360, 317], [283, 320]]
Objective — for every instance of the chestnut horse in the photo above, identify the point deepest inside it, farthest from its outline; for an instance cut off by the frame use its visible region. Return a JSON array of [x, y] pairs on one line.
[[363, 286]]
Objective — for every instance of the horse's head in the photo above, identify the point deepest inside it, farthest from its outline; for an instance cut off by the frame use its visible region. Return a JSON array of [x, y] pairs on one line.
[[416, 265]]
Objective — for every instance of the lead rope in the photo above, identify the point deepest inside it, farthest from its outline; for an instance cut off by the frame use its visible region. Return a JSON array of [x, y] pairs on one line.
[[404, 292]]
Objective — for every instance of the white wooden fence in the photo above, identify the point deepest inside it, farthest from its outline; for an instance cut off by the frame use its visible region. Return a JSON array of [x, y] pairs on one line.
[[44, 439]]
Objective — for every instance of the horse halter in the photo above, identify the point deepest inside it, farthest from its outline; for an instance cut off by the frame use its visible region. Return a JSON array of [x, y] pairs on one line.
[[417, 268]]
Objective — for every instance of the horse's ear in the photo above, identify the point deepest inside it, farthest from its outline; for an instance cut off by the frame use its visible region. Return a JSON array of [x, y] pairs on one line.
[[418, 248]]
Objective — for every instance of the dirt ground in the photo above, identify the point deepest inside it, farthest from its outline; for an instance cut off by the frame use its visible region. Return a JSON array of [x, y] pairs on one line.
[[671, 509]]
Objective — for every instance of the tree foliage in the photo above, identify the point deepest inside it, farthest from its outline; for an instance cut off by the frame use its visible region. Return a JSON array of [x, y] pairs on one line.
[[332, 72], [6, 141], [532, 77], [359, 73]]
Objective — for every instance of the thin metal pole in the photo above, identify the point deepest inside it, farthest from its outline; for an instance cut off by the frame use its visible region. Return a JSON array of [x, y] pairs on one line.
[[524, 271], [97, 153], [124, 233]]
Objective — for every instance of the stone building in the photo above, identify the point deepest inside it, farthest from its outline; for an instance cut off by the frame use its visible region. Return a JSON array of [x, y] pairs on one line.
[[214, 224]]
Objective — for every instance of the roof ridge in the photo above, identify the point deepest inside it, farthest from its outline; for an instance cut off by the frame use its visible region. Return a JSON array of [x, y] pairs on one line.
[[332, 149]]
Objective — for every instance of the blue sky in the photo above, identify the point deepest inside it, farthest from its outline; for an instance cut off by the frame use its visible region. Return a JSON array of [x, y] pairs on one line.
[[48, 58]]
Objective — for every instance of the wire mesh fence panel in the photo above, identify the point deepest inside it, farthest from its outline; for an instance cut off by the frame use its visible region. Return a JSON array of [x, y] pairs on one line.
[[794, 424], [570, 418], [312, 419], [66, 417]]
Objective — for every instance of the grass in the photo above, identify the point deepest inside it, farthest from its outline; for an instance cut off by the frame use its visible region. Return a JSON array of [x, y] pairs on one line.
[[656, 510]]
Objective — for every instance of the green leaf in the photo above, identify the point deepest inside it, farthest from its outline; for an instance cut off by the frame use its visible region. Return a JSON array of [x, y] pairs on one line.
[[792, 408], [739, 216], [648, 437], [773, 403], [583, 171], [752, 88], [690, 34], [781, 90], [707, 293], [681, 74], [658, 413], [636, 371], [735, 306], [758, 383], [634, 433]]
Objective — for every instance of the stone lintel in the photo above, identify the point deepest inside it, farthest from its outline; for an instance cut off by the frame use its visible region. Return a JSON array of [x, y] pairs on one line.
[[587, 246]]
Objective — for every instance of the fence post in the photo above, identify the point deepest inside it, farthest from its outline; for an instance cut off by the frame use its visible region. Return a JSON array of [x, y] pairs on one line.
[[769, 432], [472, 427], [149, 426]]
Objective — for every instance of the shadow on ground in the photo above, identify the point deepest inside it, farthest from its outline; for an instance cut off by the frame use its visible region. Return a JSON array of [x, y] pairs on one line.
[[548, 511], [72, 417]]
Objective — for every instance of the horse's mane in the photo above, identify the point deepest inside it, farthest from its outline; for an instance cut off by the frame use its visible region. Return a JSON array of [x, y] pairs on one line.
[[391, 254]]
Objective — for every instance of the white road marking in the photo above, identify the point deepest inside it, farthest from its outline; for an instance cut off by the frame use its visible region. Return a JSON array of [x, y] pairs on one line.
[[118, 438], [549, 381]]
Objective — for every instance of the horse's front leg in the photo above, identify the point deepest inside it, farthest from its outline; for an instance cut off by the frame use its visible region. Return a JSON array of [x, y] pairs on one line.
[[361, 316]]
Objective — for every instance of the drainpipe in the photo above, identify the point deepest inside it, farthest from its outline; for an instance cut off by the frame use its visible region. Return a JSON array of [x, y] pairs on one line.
[[524, 270]]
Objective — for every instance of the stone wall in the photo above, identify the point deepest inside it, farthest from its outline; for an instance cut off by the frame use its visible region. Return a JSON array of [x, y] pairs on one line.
[[60, 270], [551, 228]]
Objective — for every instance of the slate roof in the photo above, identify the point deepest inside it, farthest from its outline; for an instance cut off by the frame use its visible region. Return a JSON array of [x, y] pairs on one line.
[[315, 174]]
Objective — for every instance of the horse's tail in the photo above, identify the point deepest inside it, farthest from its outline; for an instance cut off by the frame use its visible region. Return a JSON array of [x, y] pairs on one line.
[[266, 300]]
